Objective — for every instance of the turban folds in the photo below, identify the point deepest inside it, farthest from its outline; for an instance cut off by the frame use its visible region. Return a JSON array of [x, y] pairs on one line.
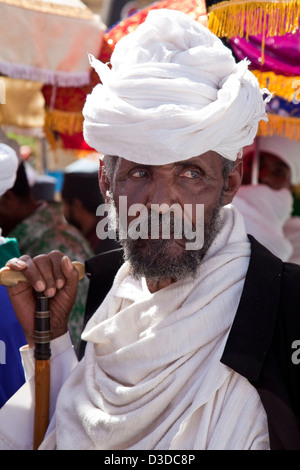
[[174, 92]]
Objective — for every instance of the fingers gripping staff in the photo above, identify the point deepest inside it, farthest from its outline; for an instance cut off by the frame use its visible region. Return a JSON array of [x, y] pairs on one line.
[[10, 278], [42, 352]]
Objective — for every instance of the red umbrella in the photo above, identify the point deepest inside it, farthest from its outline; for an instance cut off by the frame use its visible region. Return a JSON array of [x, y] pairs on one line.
[[64, 120], [195, 8]]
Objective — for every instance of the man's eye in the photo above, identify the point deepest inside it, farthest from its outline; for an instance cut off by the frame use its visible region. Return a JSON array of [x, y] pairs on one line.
[[139, 174], [191, 173]]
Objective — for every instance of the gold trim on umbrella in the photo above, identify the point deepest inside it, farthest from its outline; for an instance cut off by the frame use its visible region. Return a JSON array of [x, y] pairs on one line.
[[285, 126], [286, 87], [244, 19]]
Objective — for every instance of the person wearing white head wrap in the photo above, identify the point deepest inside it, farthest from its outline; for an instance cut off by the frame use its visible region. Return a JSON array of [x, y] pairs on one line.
[[174, 91], [267, 203], [286, 149], [8, 169], [190, 361]]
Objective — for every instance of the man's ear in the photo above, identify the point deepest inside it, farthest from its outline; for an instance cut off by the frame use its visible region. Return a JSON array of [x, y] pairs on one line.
[[103, 182], [233, 182]]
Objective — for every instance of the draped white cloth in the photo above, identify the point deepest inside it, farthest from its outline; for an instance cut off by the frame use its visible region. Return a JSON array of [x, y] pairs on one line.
[[266, 212], [151, 377], [291, 230], [174, 92]]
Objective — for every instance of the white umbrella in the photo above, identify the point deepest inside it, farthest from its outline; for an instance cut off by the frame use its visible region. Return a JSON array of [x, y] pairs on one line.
[[48, 41]]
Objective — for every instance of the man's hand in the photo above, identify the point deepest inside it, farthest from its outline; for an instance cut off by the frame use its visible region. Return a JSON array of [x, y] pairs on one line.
[[52, 274]]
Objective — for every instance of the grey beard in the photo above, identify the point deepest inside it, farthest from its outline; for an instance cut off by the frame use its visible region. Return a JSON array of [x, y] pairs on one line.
[[155, 262]]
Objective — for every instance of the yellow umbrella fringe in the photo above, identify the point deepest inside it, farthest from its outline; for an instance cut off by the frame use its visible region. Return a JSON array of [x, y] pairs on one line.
[[287, 87], [284, 126], [64, 122], [269, 18]]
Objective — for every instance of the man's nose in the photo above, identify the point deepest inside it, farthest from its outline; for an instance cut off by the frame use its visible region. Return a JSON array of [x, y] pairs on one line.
[[161, 196]]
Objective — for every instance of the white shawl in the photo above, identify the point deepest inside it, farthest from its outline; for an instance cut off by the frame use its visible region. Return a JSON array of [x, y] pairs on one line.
[[291, 230], [151, 377], [265, 212]]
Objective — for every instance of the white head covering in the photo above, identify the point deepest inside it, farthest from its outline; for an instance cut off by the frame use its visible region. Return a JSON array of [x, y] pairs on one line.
[[285, 149], [174, 92], [8, 167]]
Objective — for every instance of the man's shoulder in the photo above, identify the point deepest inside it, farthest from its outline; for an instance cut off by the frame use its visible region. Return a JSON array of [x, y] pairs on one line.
[[111, 260], [261, 255]]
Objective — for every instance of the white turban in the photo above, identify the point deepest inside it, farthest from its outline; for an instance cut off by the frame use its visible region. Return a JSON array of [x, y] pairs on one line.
[[174, 92], [285, 149], [8, 167]]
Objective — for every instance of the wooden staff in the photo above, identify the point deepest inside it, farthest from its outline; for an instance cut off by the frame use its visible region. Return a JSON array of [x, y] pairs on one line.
[[42, 352]]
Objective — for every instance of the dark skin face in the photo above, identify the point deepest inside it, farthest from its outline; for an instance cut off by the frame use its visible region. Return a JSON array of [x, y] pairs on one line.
[[13, 210], [198, 180], [273, 172]]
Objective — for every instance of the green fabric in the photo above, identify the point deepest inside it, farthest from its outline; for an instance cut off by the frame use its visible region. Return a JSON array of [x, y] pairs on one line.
[[8, 250]]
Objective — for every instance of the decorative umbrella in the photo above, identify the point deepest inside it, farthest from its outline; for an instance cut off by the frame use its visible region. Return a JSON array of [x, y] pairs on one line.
[[47, 41], [195, 8], [244, 18], [266, 33], [43, 42], [280, 73]]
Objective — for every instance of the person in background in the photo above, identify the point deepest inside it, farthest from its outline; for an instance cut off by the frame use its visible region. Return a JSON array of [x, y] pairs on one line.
[[11, 334], [39, 226], [81, 197], [265, 197]]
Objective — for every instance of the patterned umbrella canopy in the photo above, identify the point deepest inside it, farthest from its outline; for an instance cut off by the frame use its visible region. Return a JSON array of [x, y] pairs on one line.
[[280, 73], [47, 41], [267, 34], [195, 8]]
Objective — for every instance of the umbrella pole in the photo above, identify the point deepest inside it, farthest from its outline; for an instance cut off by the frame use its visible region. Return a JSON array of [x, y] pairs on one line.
[[42, 354]]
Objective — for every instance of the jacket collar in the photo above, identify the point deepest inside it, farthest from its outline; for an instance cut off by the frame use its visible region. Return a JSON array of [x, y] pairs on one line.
[[252, 330]]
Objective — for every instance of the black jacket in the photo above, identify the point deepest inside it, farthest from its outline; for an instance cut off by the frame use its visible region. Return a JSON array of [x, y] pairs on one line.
[[259, 345]]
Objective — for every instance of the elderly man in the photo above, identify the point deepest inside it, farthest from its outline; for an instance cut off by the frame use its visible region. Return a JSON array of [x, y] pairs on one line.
[[191, 348]]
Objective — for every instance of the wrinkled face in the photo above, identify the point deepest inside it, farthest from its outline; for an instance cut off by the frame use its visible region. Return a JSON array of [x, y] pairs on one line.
[[197, 181], [273, 172]]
